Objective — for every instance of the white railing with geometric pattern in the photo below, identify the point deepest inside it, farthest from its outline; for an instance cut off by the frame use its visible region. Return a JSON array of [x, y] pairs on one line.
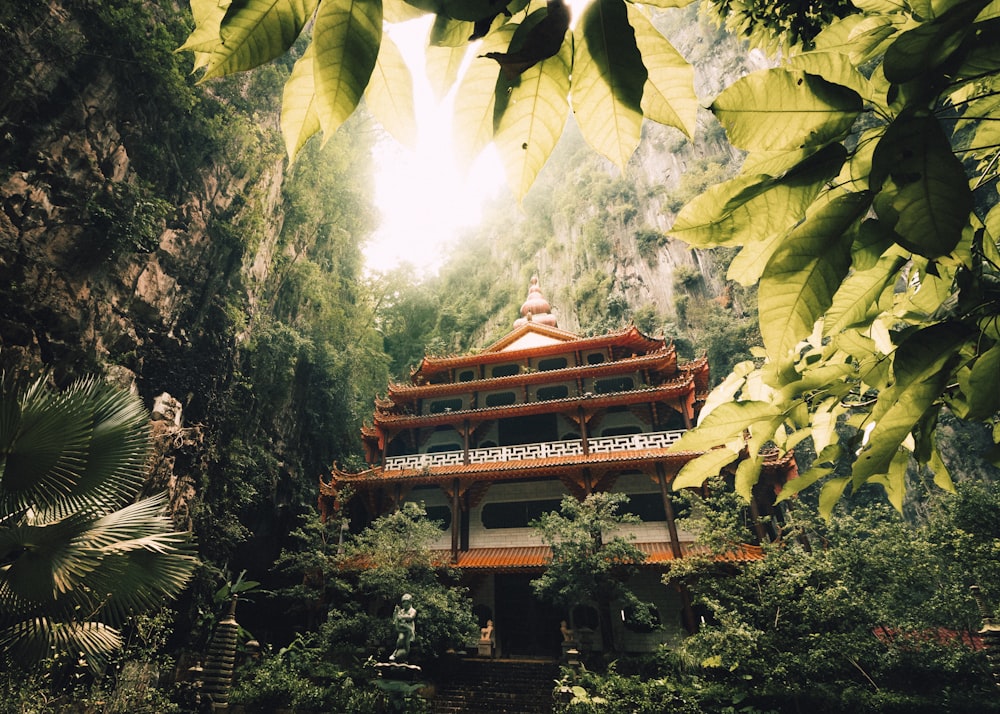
[[634, 442], [420, 461], [540, 450], [526, 452]]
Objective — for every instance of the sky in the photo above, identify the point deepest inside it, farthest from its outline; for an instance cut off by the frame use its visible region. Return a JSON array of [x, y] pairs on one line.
[[425, 201]]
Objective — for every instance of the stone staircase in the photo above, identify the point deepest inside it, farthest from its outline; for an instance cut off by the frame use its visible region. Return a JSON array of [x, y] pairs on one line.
[[471, 686]]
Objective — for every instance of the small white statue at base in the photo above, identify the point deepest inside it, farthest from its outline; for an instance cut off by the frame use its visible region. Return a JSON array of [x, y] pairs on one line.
[[403, 621], [486, 640], [566, 632]]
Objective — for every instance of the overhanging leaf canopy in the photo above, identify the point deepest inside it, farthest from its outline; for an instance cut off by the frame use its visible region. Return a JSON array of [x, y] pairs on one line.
[[878, 295], [615, 69]]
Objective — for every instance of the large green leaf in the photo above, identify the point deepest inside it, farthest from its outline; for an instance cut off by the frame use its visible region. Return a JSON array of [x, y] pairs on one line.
[[708, 465], [207, 15], [668, 3], [804, 273], [833, 67], [448, 32], [727, 390], [299, 118], [921, 369], [401, 10], [917, 52], [755, 208], [984, 112], [859, 294], [747, 475], [475, 100], [256, 31], [782, 110], [725, 422], [442, 66], [534, 119], [347, 38], [894, 479], [823, 465], [926, 352], [608, 79], [830, 494], [668, 97], [389, 96], [982, 385], [923, 189]]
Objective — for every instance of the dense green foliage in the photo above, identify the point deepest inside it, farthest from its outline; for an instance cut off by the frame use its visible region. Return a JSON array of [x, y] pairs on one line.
[[520, 103], [778, 25], [347, 586], [865, 613]]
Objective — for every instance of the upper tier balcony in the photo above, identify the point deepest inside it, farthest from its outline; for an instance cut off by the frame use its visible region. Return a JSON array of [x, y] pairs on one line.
[[537, 451]]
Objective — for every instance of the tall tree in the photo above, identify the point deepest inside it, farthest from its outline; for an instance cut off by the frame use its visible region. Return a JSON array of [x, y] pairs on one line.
[[591, 559], [78, 553]]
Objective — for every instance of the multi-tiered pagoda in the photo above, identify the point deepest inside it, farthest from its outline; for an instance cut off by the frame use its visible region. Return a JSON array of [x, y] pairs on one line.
[[487, 442]]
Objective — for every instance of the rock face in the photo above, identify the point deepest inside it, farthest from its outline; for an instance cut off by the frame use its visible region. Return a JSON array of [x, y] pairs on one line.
[[110, 263]]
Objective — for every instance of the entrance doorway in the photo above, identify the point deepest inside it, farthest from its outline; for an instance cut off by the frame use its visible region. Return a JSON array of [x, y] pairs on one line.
[[525, 626]]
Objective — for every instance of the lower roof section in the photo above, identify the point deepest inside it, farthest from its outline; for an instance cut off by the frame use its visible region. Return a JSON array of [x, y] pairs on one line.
[[536, 558]]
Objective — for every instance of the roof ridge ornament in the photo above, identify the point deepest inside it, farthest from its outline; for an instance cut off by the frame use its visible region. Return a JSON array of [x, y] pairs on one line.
[[536, 308]]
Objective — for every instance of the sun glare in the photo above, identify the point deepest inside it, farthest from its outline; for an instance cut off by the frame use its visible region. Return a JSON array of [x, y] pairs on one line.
[[424, 198]]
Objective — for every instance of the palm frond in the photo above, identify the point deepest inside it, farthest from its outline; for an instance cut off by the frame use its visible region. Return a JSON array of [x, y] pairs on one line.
[[43, 561], [37, 638], [45, 445], [115, 468], [76, 555]]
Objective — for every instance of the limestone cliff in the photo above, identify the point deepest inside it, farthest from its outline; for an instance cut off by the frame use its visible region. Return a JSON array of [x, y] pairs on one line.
[[144, 235]]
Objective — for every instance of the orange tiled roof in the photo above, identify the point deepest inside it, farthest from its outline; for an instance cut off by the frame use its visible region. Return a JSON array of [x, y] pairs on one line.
[[537, 557], [672, 389], [661, 360], [630, 337]]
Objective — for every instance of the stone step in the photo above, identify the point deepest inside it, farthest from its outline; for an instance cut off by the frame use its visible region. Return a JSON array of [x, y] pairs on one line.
[[495, 687]]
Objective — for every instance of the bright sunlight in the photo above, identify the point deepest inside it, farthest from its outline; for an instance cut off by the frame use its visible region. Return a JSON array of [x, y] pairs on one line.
[[425, 199]]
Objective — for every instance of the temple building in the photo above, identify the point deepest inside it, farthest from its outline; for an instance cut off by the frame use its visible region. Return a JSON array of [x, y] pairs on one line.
[[489, 441]]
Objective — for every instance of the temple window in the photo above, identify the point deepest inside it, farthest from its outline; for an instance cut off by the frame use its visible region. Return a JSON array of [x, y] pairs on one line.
[[613, 384], [555, 391], [446, 405], [647, 507], [466, 375], [500, 399], [505, 370], [441, 514], [595, 358], [545, 365], [516, 514]]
